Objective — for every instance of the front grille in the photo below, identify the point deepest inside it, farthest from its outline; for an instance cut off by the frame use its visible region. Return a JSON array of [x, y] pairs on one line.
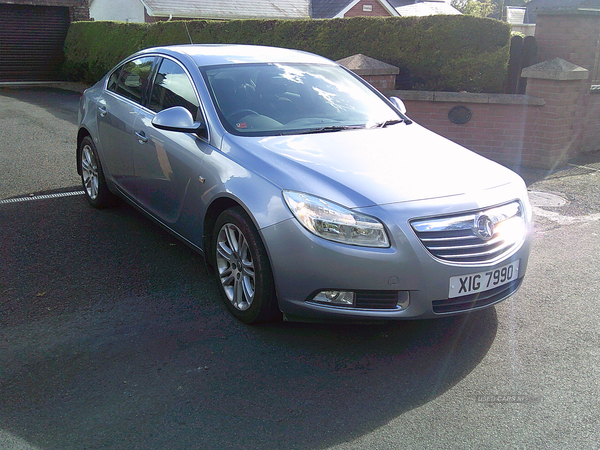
[[474, 301], [466, 239]]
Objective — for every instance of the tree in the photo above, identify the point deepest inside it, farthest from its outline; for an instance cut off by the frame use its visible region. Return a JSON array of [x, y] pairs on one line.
[[479, 8]]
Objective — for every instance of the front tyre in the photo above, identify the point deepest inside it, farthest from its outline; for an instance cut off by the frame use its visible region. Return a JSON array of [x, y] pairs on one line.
[[92, 175], [243, 270]]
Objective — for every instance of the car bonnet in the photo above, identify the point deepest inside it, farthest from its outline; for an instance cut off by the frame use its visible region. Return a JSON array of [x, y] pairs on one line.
[[360, 168]]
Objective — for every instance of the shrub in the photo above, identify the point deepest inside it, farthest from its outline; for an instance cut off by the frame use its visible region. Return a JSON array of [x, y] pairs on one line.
[[455, 53]]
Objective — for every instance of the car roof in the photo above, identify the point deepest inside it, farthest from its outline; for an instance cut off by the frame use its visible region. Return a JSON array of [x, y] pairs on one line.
[[217, 54]]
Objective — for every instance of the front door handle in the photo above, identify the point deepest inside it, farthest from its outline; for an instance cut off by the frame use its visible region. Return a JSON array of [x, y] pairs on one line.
[[142, 139]]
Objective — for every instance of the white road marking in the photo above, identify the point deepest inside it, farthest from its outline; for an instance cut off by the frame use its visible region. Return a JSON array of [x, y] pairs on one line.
[[41, 197]]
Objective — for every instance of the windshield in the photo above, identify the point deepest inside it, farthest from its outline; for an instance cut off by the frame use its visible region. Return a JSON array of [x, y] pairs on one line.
[[273, 99]]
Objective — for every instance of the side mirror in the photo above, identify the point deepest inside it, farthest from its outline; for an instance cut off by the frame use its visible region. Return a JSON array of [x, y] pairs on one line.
[[399, 104], [177, 118]]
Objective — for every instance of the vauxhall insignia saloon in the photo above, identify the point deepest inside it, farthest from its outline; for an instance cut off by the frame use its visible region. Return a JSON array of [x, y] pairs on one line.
[[310, 195]]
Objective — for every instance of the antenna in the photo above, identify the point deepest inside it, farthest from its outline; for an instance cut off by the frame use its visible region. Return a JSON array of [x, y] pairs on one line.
[[188, 33]]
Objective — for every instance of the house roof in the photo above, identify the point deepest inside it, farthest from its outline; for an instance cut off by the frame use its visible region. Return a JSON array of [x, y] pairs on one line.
[[535, 6], [561, 3], [427, 8], [231, 9], [398, 3], [328, 9]]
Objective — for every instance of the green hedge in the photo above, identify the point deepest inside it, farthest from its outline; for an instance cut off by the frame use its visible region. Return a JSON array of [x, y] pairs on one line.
[[449, 53]]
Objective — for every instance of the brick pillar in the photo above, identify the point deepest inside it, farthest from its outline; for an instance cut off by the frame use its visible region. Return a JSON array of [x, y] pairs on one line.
[[381, 82], [81, 12], [573, 34], [554, 134], [380, 75]]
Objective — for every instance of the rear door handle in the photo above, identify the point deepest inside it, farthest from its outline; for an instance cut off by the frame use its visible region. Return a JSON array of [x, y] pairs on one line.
[[142, 139], [102, 110]]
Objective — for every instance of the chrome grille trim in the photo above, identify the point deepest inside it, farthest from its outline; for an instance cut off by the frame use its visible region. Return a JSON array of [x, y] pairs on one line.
[[461, 247], [464, 238], [445, 224], [495, 251], [457, 238]]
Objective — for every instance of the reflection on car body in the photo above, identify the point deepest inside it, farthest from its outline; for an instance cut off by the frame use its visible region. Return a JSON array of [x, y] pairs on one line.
[[308, 192]]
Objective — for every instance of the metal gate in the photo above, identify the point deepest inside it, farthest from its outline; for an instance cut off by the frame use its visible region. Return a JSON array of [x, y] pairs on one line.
[[31, 42]]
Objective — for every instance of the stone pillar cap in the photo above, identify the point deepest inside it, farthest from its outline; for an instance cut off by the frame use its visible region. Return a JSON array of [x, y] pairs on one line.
[[363, 65], [555, 69]]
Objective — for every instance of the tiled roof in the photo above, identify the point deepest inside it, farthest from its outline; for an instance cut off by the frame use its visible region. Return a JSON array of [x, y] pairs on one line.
[[398, 3], [230, 9], [326, 9], [427, 8], [562, 3], [535, 6]]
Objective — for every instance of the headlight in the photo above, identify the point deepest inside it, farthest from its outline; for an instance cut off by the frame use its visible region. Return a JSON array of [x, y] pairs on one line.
[[334, 222]]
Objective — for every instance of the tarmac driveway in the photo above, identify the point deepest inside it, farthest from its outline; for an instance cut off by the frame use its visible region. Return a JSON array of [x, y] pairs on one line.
[[112, 335]]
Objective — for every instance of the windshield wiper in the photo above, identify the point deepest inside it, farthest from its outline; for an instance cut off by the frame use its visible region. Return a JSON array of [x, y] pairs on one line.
[[389, 122], [331, 128]]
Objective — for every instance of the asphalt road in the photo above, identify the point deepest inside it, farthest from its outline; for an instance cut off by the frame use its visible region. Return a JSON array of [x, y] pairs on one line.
[[112, 335], [37, 140]]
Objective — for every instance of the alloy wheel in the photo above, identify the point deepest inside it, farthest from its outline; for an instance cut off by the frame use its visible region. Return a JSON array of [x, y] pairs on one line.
[[235, 266], [89, 171]]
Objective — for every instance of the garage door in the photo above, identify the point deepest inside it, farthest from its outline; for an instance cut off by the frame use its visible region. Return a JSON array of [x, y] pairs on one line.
[[31, 42]]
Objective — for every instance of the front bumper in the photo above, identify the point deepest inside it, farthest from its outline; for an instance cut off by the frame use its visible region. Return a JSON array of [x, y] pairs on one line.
[[304, 264]]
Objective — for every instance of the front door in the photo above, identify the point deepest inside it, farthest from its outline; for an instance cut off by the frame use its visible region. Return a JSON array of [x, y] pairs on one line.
[[167, 163]]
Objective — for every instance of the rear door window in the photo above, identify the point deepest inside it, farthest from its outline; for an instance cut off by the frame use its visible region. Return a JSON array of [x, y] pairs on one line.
[[132, 79], [113, 80]]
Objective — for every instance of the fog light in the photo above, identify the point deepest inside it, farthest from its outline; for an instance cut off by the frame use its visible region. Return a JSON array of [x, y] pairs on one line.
[[403, 300], [339, 298]]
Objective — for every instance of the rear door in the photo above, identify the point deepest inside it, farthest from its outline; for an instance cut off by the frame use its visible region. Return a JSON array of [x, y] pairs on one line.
[[118, 110]]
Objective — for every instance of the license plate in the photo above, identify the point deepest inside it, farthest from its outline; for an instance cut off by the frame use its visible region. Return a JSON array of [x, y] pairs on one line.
[[483, 281]]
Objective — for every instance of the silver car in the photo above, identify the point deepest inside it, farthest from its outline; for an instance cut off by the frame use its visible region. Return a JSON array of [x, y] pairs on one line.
[[310, 195]]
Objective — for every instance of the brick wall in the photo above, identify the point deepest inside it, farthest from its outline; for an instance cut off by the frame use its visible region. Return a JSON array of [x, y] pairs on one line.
[[557, 119], [573, 36], [590, 135], [542, 129], [377, 10], [78, 9], [497, 129]]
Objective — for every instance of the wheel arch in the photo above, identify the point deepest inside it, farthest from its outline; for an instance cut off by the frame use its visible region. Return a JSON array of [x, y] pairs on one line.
[[215, 209]]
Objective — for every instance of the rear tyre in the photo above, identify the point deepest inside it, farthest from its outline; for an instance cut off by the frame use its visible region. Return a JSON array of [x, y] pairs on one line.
[[92, 175], [243, 271]]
